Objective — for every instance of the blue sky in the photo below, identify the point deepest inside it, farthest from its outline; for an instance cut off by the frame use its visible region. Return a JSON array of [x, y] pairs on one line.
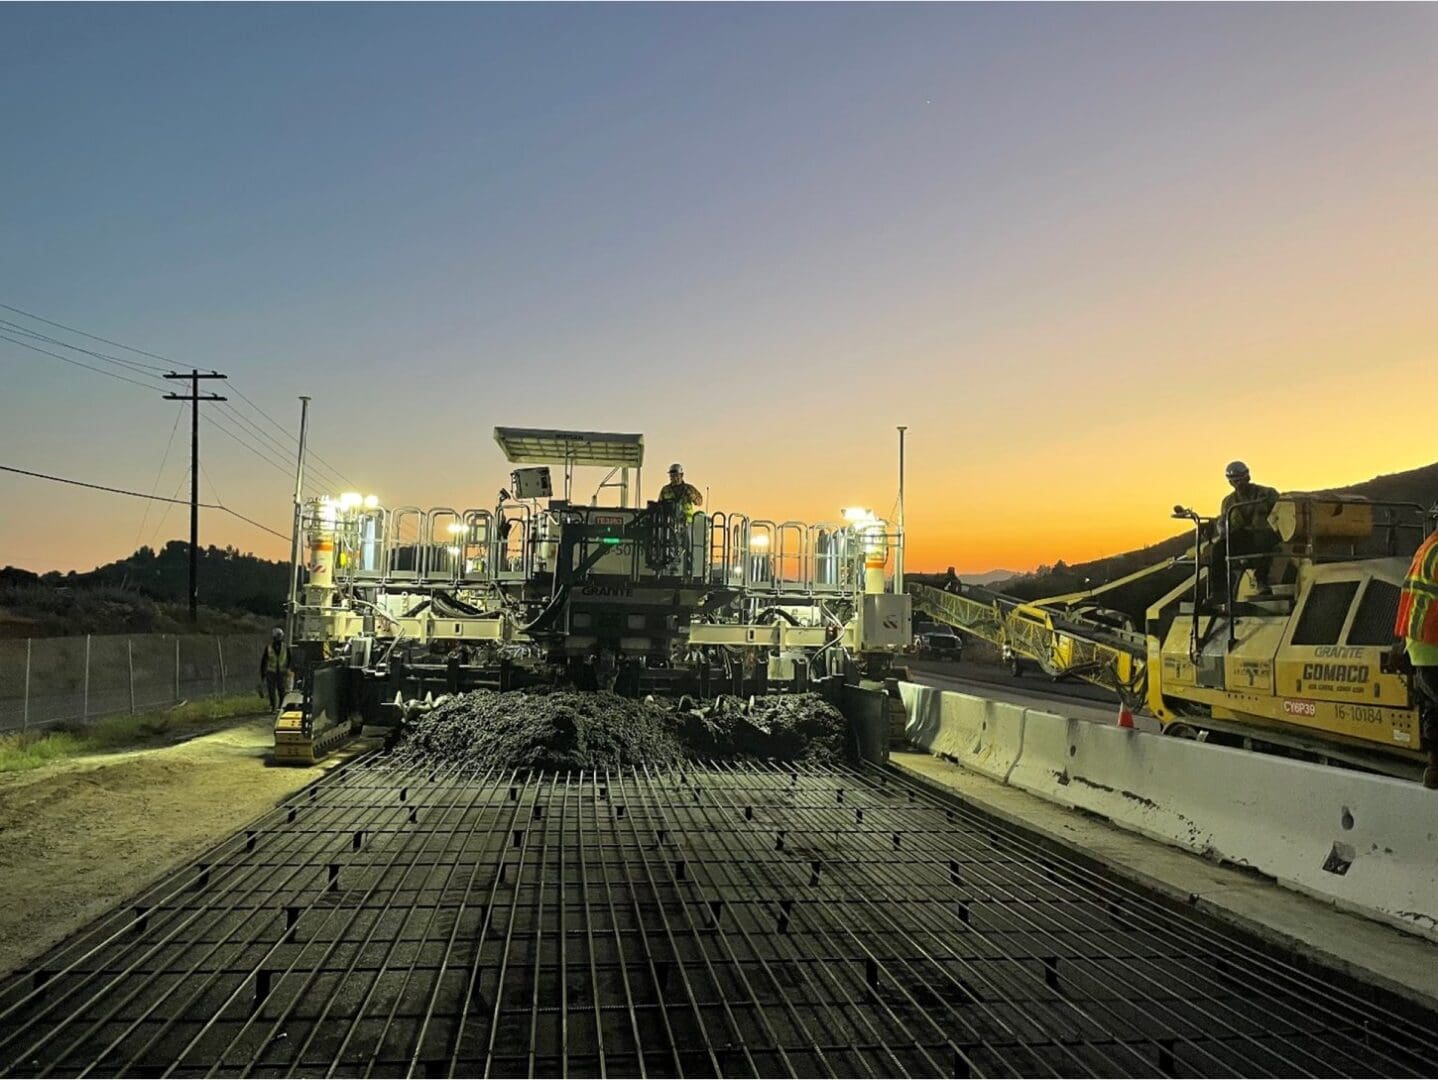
[[761, 235]]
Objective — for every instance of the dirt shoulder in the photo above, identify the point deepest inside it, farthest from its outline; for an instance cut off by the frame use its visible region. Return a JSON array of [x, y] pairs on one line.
[[79, 836]]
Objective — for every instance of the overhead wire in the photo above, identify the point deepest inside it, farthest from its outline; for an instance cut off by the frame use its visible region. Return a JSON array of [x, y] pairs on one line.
[[77, 363], [157, 385], [171, 501], [309, 451], [324, 471], [219, 504], [211, 419], [204, 472], [174, 500], [275, 446], [129, 365], [92, 337], [164, 459]]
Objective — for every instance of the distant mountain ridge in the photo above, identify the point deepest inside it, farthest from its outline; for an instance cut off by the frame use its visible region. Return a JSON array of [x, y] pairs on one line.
[[988, 577], [1415, 485]]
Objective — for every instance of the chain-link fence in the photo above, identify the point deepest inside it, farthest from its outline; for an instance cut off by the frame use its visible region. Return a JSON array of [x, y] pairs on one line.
[[47, 681]]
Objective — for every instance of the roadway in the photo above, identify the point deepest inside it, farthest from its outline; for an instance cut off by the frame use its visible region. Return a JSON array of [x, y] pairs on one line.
[[1033, 689]]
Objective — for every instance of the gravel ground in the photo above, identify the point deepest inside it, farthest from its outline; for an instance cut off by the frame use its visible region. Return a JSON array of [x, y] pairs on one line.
[[81, 835], [565, 729]]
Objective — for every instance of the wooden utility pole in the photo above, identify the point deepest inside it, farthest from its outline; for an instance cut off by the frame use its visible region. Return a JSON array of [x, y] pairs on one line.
[[194, 397]]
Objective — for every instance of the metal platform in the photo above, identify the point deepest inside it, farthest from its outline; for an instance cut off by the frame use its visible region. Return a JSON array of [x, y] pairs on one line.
[[728, 920]]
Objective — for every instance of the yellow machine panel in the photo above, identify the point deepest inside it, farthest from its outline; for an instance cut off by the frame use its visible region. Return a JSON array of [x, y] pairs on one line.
[[1313, 664], [1290, 651]]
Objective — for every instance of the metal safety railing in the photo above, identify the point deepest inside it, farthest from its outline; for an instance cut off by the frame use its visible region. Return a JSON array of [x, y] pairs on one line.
[[445, 547]]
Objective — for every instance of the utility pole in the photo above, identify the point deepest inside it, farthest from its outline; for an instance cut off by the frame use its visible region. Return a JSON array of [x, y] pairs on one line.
[[295, 536], [899, 560], [194, 397]]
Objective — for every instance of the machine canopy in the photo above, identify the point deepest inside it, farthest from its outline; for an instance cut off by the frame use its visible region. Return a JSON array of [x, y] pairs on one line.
[[545, 446]]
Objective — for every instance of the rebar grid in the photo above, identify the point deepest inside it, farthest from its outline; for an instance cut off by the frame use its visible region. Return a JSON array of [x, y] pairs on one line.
[[726, 919]]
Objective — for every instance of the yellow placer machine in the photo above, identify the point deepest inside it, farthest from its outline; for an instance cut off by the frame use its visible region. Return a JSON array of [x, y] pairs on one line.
[[1302, 667]]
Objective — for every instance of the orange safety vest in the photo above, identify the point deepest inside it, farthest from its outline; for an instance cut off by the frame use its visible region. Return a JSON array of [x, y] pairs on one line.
[[1418, 605]]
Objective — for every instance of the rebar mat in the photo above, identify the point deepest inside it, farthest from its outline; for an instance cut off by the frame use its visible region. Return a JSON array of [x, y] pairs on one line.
[[727, 920]]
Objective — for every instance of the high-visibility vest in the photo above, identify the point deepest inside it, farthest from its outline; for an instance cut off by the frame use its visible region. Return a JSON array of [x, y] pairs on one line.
[[277, 662], [1418, 604]]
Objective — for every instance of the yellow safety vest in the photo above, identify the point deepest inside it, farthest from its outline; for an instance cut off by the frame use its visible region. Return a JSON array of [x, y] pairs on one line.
[[277, 663]]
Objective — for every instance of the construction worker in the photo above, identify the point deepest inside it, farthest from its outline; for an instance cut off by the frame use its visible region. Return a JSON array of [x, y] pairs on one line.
[[275, 668], [1243, 528], [685, 497], [1416, 627]]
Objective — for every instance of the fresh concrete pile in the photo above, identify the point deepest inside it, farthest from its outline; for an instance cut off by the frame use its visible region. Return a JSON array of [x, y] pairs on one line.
[[561, 730], [566, 729], [802, 727], [790, 727]]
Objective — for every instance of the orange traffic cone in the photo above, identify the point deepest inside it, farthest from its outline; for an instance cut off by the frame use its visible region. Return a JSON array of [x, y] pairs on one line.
[[1125, 717]]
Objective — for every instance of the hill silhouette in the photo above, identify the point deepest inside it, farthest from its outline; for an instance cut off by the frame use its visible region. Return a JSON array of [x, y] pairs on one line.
[[1414, 486], [145, 593]]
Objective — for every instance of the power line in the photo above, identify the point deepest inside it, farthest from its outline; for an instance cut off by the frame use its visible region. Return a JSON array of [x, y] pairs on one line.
[[309, 450], [213, 490], [92, 337], [77, 363], [248, 446], [145, 386], [334, 476], [96, 487], [274, 444], [164, 459], [129, 365], [251, 521], [140, 495], [174, 498]]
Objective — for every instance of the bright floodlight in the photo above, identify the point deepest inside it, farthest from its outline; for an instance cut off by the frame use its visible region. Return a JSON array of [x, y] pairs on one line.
[[457, 527], [759, 542], [857, 513], [350, 499], [371, 502]]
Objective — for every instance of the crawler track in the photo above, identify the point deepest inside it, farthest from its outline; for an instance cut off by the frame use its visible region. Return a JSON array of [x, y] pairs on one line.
[[726, 920]]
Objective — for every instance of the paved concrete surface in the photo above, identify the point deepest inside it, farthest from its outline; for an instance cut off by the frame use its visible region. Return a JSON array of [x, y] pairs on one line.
[[1369, 951]]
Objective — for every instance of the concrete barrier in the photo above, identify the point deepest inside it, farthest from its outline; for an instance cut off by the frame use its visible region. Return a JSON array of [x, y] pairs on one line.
[[984, 735], [1368, 844]]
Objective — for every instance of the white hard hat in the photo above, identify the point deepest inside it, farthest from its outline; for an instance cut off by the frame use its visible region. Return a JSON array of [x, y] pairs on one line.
[[1236, 470], [676, 467]]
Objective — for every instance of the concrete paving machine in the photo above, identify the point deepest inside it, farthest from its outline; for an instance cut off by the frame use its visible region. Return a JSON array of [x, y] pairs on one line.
[[1302, 666], [403, 604]]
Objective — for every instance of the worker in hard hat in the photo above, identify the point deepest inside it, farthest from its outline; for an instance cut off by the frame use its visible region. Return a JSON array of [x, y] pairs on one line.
[[275, 668], [1242, 529], [1416, 627], [685, 497]]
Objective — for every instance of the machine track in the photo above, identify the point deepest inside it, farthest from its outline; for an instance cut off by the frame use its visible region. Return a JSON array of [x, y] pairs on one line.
[[730, 919]]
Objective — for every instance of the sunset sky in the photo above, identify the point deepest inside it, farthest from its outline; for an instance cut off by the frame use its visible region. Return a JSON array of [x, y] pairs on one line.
[[1088, 254]]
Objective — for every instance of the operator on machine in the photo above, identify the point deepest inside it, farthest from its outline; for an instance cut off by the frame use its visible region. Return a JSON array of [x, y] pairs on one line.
[[685, 497], [1417, 629], [275, 668], [1245, 531]]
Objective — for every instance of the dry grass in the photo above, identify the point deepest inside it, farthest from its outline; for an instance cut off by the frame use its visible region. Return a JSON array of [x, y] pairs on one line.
[[29, 750]]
